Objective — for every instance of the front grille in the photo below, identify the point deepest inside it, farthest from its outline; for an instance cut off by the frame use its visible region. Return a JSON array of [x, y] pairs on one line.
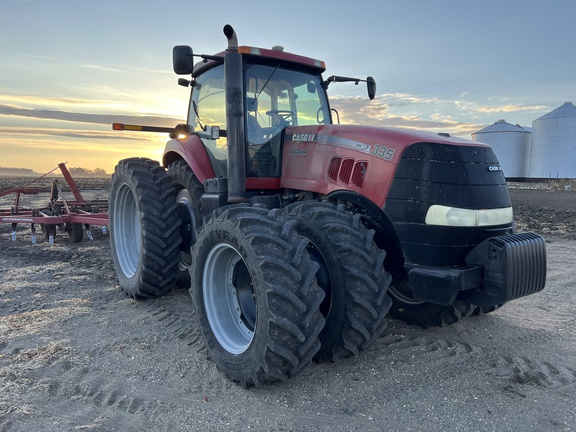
[[346, 170]]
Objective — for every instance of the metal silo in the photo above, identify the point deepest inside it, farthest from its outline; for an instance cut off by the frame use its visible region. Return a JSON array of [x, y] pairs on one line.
[[553, 153], [511, 143]]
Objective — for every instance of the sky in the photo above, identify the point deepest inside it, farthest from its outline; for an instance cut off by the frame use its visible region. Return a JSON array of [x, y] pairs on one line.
[[70, 68]]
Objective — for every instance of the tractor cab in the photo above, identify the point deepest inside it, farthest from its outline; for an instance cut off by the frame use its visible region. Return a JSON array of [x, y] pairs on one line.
[[275, 96], [277, 90]]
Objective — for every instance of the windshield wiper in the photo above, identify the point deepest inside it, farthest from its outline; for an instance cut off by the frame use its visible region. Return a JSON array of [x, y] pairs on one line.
[[267, 81]]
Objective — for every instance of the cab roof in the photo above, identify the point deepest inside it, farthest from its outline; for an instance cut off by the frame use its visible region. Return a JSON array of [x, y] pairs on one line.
[[274, 54]]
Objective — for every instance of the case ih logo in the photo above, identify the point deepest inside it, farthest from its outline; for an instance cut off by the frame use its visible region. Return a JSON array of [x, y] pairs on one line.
[[303, 137], [494, 168]]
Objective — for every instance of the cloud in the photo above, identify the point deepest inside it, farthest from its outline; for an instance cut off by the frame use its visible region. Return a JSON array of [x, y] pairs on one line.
[[379, 112], [67, 133], [99, 67], [26, 101], [8, 110], [511, 108], [426, 113]]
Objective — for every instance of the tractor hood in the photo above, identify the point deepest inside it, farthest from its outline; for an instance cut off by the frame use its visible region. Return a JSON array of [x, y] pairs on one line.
[[362, 159]]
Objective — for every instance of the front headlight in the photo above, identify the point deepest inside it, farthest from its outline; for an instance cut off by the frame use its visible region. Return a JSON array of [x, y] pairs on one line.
[[453, 216]]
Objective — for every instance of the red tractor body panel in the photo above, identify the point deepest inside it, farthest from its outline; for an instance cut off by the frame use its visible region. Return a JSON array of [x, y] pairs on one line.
[[192, 150], [362, 159]]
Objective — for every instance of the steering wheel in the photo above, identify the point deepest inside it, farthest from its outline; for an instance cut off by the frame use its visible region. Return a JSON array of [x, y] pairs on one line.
[[285, 115]]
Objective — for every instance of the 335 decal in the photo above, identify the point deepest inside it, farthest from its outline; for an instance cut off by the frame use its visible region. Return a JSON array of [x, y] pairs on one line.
[[382, 152]]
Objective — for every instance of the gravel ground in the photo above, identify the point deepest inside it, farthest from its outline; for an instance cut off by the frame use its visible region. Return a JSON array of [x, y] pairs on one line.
[[77, 354]]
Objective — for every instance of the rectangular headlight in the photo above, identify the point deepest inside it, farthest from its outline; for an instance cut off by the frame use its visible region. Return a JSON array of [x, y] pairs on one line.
[[454, 216]]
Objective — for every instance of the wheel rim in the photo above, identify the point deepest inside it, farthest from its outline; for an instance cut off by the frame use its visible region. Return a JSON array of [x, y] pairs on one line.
[[127, 231], [229, 298]]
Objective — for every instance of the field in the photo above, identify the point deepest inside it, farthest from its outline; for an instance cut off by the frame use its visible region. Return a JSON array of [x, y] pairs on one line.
[[77, 354]]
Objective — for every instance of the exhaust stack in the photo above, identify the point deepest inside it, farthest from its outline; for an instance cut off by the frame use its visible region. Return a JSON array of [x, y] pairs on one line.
[[232, 38], [233, 73]]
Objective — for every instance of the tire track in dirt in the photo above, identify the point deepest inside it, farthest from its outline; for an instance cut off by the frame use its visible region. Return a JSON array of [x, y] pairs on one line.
[[180, 324], [416, 346], [142, 398], [524, 371], [463, 357], [417, 349]]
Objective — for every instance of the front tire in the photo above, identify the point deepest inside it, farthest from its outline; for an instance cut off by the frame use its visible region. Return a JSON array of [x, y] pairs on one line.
[[144, 228], [255, 295], [351, 274]]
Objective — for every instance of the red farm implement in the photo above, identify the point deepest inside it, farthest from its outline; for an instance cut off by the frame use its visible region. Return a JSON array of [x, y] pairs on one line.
[[74, 216]]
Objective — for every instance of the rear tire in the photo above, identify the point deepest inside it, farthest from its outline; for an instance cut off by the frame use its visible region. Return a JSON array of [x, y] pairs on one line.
[[189, 191], [255, 295], [425, 314], [144, 228], [351, 274]]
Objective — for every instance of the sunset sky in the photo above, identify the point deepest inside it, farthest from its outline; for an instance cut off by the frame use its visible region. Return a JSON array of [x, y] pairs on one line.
[[70, 68]]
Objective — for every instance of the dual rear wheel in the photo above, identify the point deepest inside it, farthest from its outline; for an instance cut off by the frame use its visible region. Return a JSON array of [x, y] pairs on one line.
[[275, 289]]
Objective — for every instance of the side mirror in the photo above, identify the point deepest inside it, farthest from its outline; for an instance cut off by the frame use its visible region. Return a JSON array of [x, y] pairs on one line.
[[371, 86], [182, 60], [213, 132]]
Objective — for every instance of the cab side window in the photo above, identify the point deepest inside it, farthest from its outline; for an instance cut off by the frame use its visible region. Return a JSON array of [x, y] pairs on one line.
[[208, 108]]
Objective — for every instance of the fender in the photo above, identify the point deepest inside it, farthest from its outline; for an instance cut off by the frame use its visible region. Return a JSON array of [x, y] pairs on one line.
[[192, 150]]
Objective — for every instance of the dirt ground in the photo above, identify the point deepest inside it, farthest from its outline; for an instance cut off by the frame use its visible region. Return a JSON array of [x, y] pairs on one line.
[[76, 354]]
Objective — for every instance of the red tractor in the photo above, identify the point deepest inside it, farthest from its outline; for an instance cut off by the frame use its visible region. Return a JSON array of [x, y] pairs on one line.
[[298, 236]]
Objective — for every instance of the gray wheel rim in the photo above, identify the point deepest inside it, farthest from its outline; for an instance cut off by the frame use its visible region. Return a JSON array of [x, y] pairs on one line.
[[127, 231], [229, 299]]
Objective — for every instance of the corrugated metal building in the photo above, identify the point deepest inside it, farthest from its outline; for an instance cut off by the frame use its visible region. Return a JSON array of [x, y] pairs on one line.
[[511, 143], [553, 147]]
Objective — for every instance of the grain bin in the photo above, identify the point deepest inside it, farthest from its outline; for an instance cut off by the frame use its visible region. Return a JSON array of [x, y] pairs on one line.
[[553, 153], [511, 143]]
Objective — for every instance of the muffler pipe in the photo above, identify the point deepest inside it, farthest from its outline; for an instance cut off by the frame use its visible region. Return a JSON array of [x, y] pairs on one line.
[[234, 77], [232, 38]]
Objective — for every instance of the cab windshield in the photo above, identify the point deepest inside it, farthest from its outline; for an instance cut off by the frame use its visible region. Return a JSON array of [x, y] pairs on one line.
[[277, 98]]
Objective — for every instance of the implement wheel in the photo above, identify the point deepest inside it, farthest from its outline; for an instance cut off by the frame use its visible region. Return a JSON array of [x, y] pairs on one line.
[[255, 295], [351, 274], [48, 229], [144, 228], [75, 232]]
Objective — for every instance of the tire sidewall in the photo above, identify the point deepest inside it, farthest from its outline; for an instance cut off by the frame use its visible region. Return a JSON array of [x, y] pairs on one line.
[[240, 366], [121, 179], [356, 305], [149, 248], [336, 313]]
